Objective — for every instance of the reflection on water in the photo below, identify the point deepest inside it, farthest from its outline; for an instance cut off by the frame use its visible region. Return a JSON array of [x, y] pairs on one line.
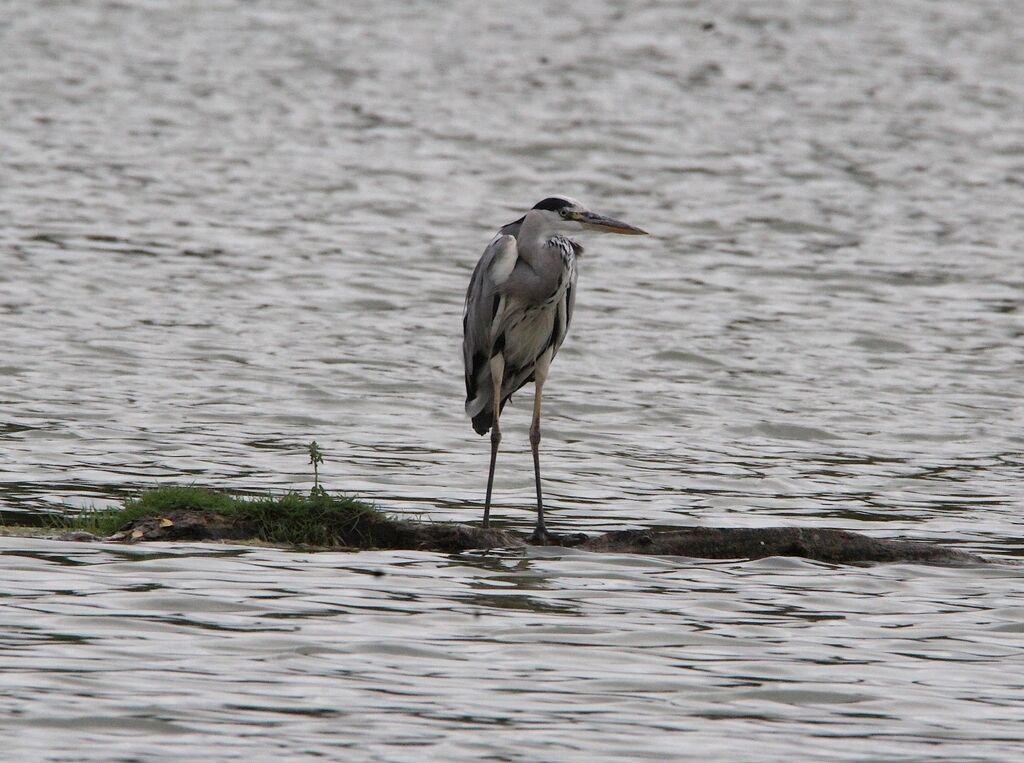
[[231, 229]]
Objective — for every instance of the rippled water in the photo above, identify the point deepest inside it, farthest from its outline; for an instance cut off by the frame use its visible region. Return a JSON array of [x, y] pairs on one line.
[[227, 229], [180, 653]]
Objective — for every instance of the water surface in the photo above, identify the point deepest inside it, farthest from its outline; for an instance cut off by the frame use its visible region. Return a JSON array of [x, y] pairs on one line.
[[228, 229]]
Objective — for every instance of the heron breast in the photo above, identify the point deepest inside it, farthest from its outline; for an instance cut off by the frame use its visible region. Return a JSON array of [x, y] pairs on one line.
[[528, 333]]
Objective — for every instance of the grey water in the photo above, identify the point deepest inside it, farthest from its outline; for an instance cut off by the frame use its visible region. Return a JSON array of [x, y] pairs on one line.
[[230, 228]]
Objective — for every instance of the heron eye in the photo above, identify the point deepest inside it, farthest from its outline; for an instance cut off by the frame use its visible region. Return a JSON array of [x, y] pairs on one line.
[[564, 213]]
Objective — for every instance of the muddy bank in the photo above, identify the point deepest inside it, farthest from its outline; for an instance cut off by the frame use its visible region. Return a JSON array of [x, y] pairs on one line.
[[382, 532], [835, 546]]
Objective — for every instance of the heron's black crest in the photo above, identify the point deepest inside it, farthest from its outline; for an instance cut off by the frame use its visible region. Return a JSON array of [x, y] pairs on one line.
[[553, 204]]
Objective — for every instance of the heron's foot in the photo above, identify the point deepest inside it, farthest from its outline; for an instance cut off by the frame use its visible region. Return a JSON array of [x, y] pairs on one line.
[[541, 537]]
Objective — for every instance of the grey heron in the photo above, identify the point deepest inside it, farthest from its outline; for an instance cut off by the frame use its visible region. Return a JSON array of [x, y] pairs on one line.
[[518, 308]]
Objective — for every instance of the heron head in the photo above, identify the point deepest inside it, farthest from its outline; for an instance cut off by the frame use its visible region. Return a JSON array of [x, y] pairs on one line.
[[563, 214]]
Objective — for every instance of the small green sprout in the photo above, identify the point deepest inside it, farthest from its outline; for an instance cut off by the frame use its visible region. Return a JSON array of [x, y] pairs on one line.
[[316, 457]]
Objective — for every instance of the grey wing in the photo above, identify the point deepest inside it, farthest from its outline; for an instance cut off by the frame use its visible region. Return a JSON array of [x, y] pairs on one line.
[[480, 318]]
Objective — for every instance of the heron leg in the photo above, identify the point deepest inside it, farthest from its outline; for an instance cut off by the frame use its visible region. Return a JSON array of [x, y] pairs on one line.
[[497, 371], [540, 532]]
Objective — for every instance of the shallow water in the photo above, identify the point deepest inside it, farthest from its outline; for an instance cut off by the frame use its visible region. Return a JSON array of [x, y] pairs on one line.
[[181, 652], [229, 229]]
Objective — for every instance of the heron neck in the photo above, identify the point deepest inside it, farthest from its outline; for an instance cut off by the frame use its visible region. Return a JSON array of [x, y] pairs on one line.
[[533, 239]]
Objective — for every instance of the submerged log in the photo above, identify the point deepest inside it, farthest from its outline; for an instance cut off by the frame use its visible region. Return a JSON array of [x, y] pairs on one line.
[[825, 545]]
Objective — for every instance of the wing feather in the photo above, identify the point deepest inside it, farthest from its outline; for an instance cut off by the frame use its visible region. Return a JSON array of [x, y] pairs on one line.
[[481, 318]]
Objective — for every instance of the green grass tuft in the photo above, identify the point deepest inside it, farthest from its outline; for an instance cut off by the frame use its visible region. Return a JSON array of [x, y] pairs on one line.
[[316, 520]]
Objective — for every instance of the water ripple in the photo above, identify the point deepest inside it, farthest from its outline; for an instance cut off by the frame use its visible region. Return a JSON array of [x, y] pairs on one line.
[[228, 230]]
